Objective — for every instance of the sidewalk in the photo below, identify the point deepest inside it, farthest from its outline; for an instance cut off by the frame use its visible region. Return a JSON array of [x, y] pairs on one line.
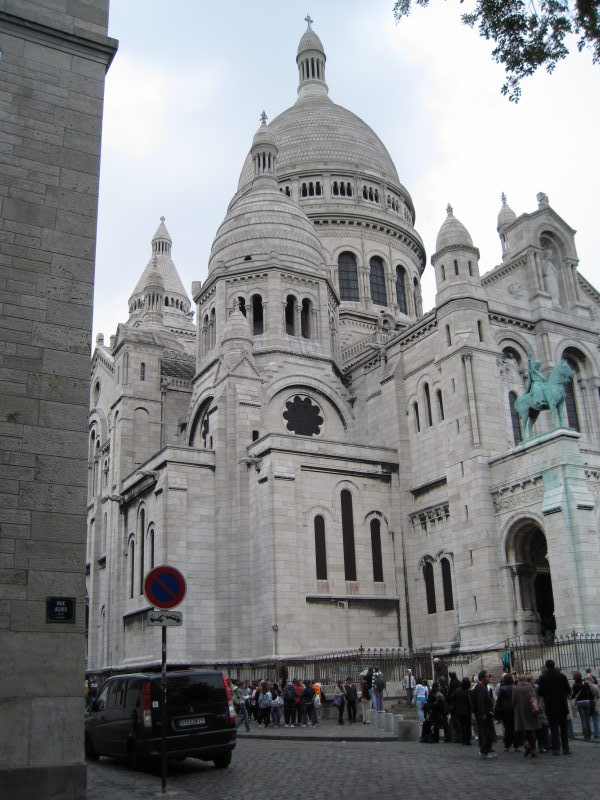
[[328, 729]]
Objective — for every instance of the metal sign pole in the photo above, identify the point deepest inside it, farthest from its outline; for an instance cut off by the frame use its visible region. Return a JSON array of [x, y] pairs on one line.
[[163, 710]]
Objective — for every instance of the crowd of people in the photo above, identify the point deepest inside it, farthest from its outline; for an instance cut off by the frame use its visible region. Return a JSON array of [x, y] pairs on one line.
[[535, 712], [298, 702]]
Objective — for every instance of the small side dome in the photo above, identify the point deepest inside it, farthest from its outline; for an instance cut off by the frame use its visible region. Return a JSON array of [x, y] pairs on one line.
[[506, 215], [452, 233], [311, 60], [236, 331]]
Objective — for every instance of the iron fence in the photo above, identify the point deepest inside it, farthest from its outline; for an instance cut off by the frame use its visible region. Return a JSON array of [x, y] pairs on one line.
[[569, 653]]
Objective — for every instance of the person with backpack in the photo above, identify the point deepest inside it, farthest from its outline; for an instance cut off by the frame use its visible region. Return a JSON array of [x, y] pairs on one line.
[[308, 695], [365, 701], [504, 712], [265, 701], [351, 699], [379, 685], [582, 695], [339, 700], [289, 706]]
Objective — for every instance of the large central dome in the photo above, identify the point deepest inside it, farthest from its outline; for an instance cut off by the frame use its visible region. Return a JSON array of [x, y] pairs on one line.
[[315, 133]]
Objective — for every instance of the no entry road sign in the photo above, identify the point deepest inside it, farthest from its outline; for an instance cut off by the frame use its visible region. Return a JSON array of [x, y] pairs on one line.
[[164, 587]]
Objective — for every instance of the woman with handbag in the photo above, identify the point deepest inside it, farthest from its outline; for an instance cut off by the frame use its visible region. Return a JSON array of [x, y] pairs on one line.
[[339, 700], [526, 711]]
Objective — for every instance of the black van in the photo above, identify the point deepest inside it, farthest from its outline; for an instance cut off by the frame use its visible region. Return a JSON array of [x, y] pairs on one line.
[[125, 720]]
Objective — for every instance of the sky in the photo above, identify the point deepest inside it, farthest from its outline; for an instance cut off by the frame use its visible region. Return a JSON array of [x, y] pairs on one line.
[[185, 92]]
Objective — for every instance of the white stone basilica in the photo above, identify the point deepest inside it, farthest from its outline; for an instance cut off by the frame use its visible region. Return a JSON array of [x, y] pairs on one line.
[[327, 465]]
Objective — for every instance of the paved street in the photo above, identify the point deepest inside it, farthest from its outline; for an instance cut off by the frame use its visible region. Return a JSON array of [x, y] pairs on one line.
[[289, 768]]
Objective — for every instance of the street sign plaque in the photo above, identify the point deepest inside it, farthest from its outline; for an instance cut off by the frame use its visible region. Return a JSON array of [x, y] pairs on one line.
[[166, 617]]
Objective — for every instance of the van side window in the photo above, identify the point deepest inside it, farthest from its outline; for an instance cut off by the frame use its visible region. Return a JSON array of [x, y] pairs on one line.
[[101, 701], [117, 694], [132, 697]]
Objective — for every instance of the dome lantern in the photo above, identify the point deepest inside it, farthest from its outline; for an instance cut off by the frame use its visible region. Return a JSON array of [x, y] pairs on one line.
[[264, 153], [311, 63]]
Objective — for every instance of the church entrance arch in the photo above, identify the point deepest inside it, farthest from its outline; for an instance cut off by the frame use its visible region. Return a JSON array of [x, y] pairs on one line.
[[527, 555]]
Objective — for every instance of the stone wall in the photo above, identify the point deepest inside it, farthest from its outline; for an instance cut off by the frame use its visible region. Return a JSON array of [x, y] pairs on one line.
[[52, 69]]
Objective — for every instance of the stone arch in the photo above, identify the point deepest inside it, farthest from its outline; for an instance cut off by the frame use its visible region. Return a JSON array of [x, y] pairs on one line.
[[526, 555], [304, 385], [198, 418]]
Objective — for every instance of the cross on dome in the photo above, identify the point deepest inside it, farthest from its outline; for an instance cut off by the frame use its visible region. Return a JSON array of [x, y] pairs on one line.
[[263, 118], [503, 198], [162, 219], [449, 210], [308, 19]]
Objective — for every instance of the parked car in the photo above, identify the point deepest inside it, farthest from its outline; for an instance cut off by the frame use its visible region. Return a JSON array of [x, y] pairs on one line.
[[125, 719]]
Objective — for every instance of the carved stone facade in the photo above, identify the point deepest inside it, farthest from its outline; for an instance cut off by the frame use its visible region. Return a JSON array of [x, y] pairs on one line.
[[336, 467]]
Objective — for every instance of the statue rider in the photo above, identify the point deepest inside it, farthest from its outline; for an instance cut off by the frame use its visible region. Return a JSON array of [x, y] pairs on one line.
[[536, 381]]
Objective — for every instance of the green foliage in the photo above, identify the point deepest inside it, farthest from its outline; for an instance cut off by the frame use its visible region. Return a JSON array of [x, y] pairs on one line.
[[528, 33]]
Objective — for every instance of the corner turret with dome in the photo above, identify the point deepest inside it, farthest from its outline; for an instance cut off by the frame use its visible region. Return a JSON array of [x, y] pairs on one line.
[[159, 297]]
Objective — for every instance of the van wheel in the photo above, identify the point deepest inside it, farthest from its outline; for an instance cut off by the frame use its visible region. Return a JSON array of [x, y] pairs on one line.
[[222, 761], [90, 750], [133, 757]]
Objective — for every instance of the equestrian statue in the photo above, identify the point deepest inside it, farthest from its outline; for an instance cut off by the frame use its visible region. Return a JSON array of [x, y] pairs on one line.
[[542, 393]]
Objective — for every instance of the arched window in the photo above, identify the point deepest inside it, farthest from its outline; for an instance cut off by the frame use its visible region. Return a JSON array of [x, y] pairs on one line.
[[377, 281], [376, 551], [151, 547], [290, 308], [306, 319], [514, 418], [428, 406], [142, 539], [320, 551], [447, 584], [142, 371], [440, 403], [455, 267], [348, 535], [429, 587], [258, 326], [348, 276], [570, 403], [242, 305], [417, 420], [401, 289], [131, 556]]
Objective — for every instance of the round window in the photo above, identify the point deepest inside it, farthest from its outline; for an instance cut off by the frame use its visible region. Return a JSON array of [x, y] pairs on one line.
[[302, 416]]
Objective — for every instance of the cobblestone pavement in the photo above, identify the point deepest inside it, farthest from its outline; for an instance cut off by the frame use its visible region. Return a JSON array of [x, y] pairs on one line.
[[292, 769]]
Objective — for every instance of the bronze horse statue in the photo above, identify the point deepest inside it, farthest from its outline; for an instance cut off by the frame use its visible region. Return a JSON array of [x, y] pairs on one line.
[[553, 393]]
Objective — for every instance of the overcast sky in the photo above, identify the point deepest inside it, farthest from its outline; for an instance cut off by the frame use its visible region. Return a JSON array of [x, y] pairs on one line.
[[185, 92]]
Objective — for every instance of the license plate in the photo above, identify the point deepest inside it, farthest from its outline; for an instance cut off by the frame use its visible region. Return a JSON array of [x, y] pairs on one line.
[[191, 722]]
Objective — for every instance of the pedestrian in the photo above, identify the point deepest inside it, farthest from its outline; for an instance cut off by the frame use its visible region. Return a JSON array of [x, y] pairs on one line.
[[588, 671], [289, 706], [582, 695], [526, 711], [308, 695], [265, 701], [299, 689], [370, 678], [351, 699], [483, 708], [379, 684], [339, 700], [276, 706], [453, 685], [437, 714], [282, 674], [365, 701], [504, 712], [463, 710], [595, 704], [409, 687], [421, 691], [241, 693], [554, 687]]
